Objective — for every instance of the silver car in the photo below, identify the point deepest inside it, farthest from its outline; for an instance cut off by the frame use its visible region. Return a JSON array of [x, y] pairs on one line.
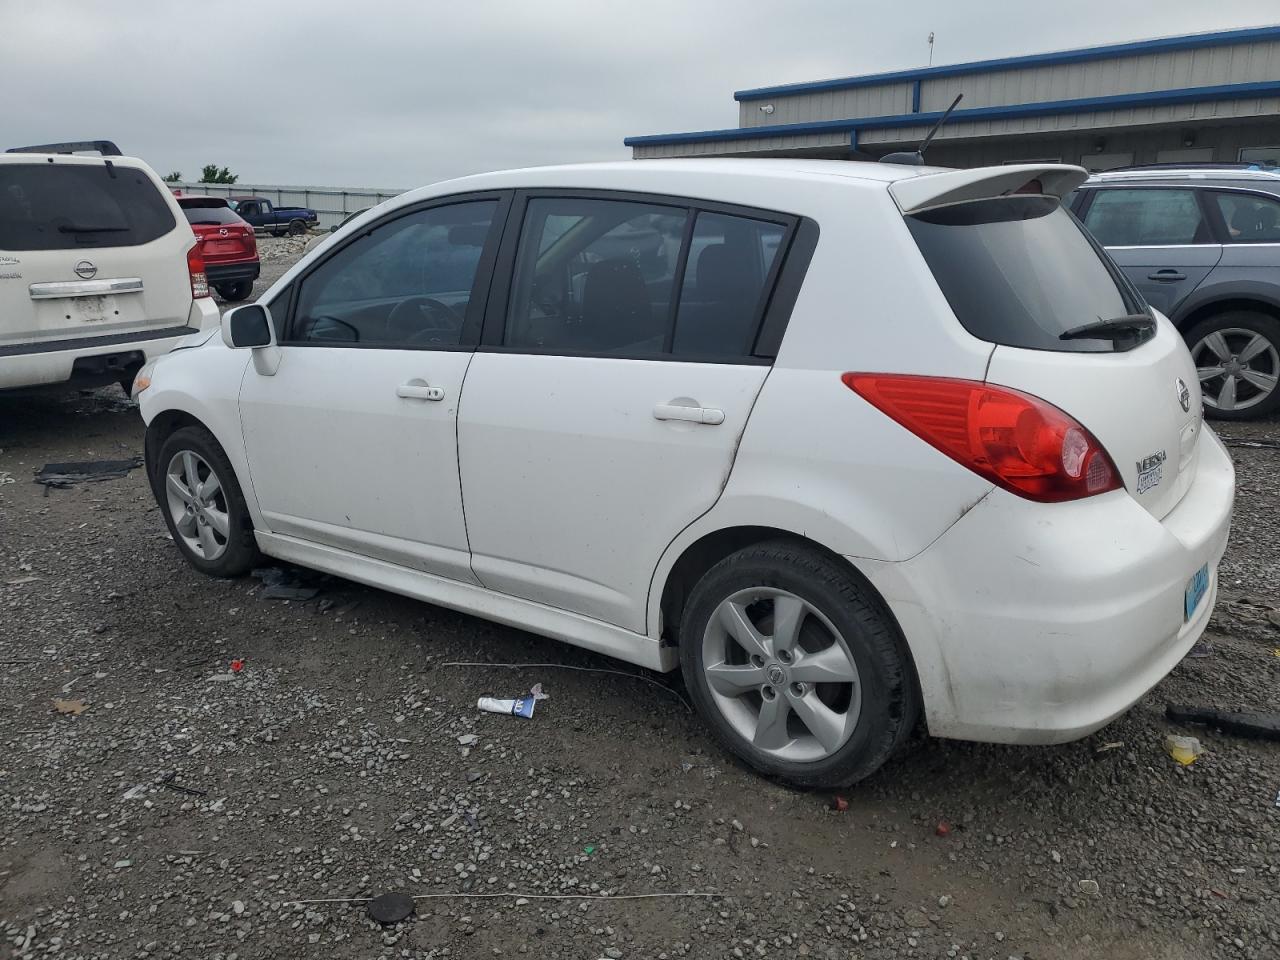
[[1202, 244]]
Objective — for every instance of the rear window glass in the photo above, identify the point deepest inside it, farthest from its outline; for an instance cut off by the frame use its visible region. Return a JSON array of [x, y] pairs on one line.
[[210, 215], [62, 206], [1021, 271]]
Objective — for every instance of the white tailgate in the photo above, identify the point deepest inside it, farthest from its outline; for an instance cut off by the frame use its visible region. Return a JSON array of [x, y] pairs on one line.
[[79, 284], [1129, 400]]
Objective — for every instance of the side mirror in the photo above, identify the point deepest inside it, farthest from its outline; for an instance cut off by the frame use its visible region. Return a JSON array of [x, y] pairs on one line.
[[247, 326]]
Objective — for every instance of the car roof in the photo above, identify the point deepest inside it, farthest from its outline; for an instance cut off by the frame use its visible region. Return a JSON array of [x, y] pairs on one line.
[[781, 168], [74, 158]]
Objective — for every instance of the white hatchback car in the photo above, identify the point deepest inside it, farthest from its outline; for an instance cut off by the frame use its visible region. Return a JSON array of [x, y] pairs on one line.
[[99, 270], [845, 442]]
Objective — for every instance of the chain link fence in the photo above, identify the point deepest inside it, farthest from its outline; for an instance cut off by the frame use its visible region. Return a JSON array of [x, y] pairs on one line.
[[331, 204]]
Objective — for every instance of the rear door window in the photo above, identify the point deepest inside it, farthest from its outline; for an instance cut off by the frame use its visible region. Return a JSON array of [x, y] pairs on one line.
[[595, 276], [1249, 218], [1146, 218], [63, 206], [1020, 271], [634, 279]]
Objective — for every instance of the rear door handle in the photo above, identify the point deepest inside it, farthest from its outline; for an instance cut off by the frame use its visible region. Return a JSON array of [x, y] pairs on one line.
[[1166, 276], [417, 390], [673, 411]]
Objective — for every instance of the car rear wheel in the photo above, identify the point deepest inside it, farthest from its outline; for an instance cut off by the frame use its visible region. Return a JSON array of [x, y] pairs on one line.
[[1237, 358], [203, 505], [235, 292], [796, 666], [297, 228]]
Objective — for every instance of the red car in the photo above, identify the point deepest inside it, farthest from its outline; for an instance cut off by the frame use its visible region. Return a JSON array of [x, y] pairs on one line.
[[226, 243]]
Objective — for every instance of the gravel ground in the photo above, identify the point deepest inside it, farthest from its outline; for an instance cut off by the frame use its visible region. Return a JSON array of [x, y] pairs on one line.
[[346, 759]]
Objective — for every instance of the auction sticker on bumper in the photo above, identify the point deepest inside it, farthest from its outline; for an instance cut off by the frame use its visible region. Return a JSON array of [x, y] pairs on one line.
[[1197, 586]]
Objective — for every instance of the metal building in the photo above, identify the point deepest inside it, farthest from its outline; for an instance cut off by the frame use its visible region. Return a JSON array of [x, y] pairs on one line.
[[1202, 97]]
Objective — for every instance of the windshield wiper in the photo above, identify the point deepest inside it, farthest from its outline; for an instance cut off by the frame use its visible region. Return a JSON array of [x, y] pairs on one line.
[[1117, 328], [77, 228]]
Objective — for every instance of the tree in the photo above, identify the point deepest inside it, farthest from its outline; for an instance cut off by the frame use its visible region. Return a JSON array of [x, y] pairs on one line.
[[175, 177], [212, 174]]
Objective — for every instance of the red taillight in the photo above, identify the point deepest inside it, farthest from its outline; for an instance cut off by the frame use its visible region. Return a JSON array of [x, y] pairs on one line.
[[1020, 442], [195, 267]]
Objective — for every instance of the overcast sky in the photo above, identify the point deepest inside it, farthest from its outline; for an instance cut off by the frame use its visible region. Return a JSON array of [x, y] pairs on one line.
[[397, 94]]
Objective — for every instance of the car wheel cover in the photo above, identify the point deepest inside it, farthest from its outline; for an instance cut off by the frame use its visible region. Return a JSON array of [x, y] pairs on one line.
[[781, 674], [197, 504], [1238, 368]]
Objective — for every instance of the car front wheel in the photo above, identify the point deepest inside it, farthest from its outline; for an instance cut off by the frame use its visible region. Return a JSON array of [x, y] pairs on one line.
[[1237, 358], [203, 505], [796, 666]]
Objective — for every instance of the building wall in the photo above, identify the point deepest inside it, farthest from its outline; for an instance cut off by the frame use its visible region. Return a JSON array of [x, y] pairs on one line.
[[1140, 73], [1245, 63], [1149, 123]]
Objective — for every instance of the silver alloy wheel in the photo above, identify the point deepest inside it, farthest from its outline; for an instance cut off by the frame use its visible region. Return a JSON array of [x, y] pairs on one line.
[[197, 504], [1238, 368], [781, 674]]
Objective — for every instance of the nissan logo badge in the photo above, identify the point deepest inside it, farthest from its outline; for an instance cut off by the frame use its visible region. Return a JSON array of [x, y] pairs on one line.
[[86, 270], [1184, 394]]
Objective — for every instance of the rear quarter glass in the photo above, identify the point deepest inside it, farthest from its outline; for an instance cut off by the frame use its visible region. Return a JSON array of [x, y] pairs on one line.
[[51, 206], [1020, 271]]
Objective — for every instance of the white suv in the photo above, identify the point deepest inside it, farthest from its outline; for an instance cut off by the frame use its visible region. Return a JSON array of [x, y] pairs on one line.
[[846, 443], [98, 267]]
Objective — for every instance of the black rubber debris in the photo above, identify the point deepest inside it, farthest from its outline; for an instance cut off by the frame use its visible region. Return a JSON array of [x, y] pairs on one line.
[[390, 908], [62, 475], [1259, 726]]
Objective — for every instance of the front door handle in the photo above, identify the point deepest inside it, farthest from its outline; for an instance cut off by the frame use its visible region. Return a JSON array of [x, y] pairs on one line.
[[674, 411], [1167, 275], [417, 390]]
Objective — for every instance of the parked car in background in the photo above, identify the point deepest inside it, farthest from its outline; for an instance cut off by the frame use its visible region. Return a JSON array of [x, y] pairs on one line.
[[317, 240], [1203, 246], [99, 271], [227, 244], [841, 443], [277, 221]]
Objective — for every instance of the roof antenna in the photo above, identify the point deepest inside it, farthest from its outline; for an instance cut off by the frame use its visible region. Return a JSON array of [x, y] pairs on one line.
[[915, 158]]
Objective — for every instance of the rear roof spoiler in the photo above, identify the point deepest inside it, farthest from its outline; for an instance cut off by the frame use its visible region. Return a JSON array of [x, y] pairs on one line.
[[914, 194], [104, 147]]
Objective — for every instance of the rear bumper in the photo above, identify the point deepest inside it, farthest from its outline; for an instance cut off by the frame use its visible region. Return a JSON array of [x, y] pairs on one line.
[[84, 359], [1033, 623], [232, 272]]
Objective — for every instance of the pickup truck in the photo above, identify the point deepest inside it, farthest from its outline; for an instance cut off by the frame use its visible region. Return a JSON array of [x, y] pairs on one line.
[[276, 221]]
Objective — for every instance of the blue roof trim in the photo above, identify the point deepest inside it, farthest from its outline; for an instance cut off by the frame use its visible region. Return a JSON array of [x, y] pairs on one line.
[[1228, 91], [1164, 44]]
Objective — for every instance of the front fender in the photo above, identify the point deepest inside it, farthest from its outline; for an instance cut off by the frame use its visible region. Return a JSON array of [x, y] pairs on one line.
[[203, 384]]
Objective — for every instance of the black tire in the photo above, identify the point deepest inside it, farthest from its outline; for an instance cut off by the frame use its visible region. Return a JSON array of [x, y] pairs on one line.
[[890, 703], [1255, 322], [235, 292], [297, 228], [241, 552]]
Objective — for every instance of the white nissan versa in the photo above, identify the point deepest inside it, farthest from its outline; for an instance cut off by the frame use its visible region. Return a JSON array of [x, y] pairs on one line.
[[847, 443]]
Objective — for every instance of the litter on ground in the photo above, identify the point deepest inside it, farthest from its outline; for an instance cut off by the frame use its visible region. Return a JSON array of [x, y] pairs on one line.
[[62, 475], [1183, 749]]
